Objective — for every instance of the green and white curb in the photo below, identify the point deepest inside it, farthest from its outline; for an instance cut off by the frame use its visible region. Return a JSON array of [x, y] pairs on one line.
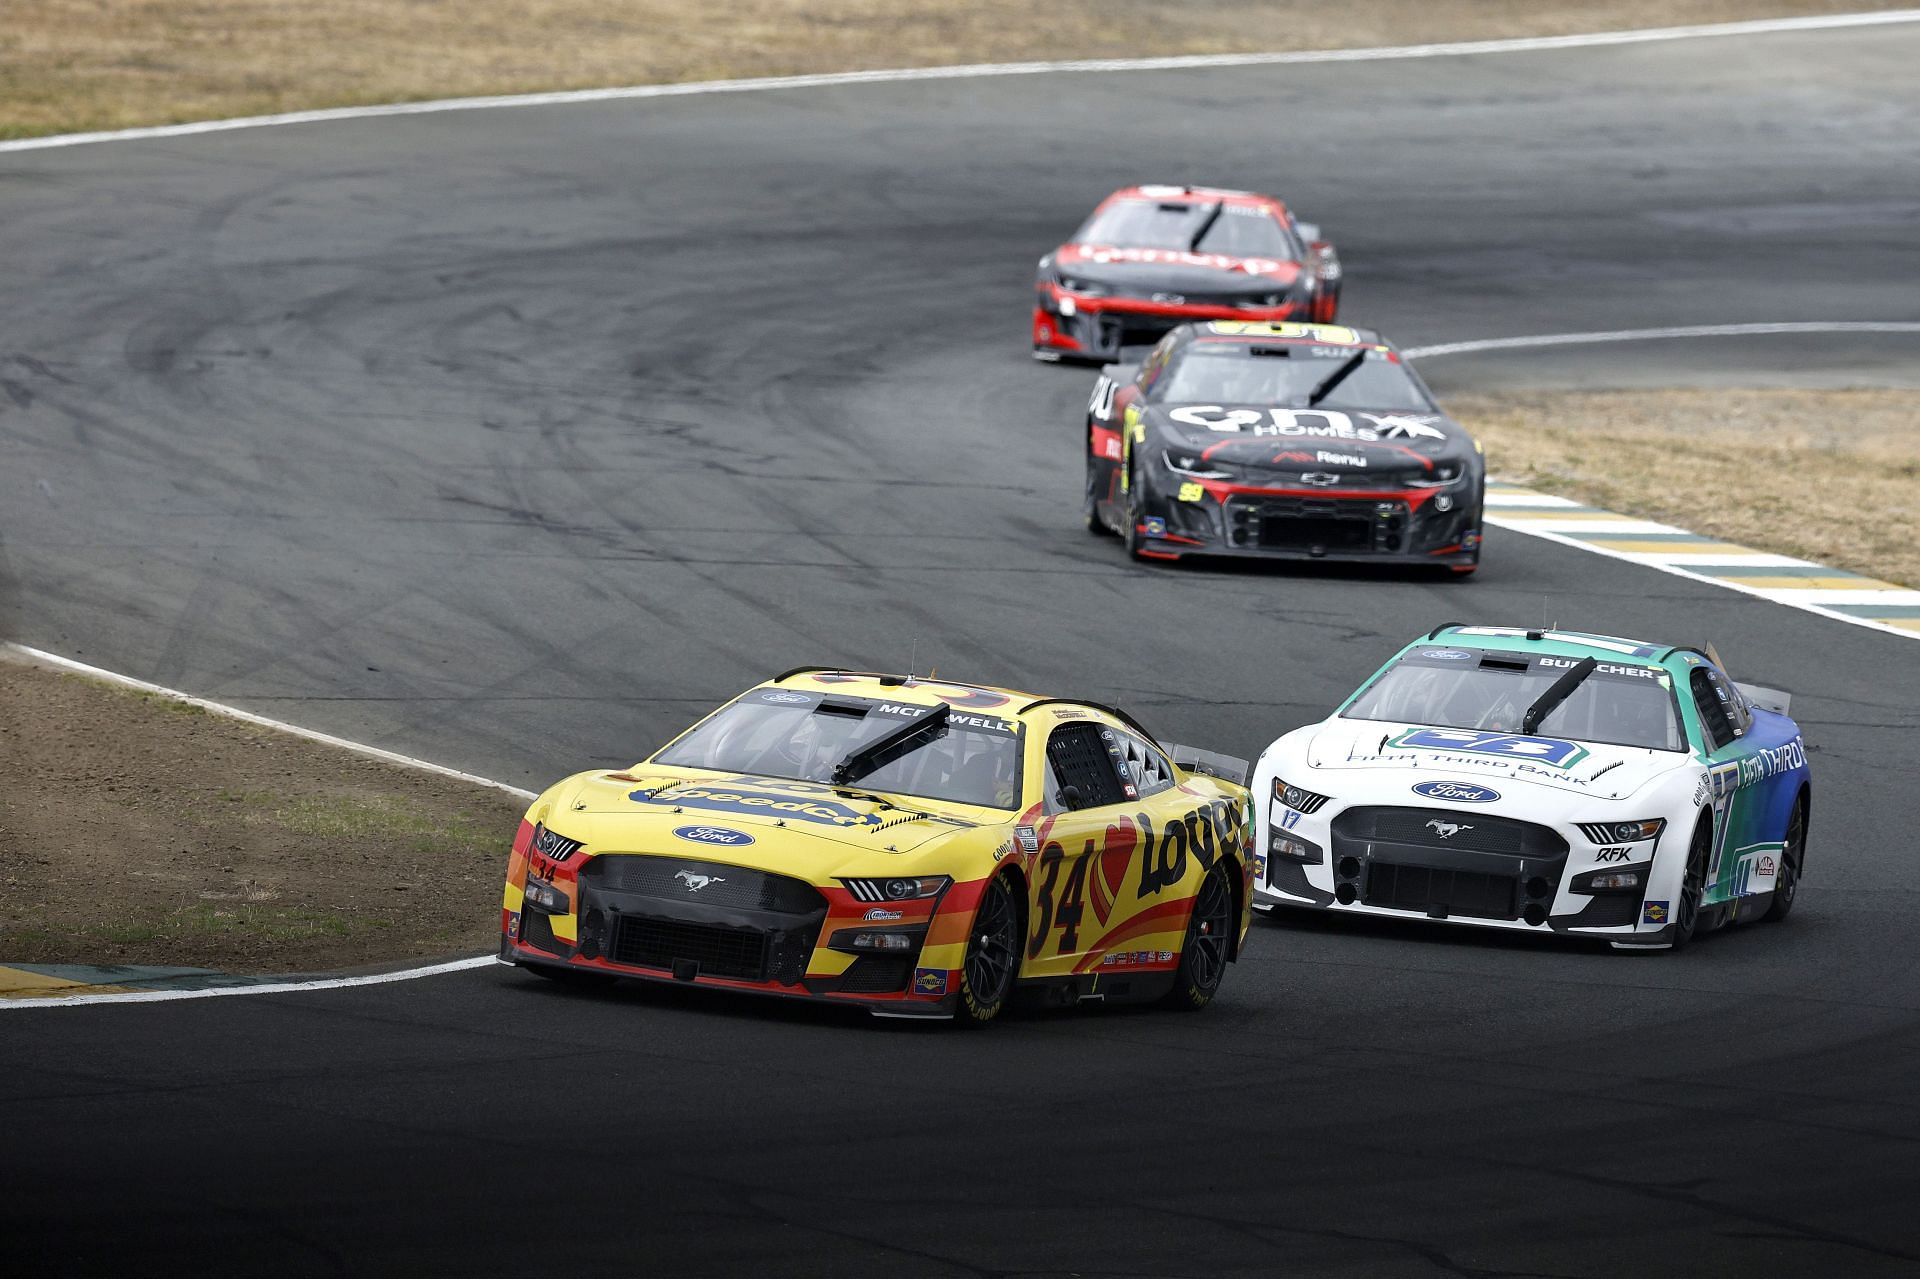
[[1815, 588]]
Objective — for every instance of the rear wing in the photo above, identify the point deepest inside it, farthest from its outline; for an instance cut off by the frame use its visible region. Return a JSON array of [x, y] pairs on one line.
[[1767, 699], [1195, 760]]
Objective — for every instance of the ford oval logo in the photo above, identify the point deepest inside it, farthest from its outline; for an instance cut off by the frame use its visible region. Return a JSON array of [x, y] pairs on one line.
[[1457, 792], [785, 699], [1447, 654], [714, 835]]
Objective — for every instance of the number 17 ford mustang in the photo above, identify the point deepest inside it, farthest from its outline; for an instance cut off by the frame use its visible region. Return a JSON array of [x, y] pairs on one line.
[[910, 847], [1541, 780]]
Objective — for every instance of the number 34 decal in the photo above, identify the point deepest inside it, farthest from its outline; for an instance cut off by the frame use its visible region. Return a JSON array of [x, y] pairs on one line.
[[1102, 865]]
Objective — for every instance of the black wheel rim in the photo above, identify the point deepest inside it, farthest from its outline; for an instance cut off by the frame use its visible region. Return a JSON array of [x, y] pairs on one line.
[[1694, 885], [1209, 930], [1789, 881], [990, 951]]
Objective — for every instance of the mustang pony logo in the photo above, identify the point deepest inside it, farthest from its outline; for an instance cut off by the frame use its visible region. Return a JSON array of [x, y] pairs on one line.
[[697, 882], [1447, 829]]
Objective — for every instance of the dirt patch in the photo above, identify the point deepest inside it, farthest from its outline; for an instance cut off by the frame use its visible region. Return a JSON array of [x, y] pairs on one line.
[[70, 65], [138, 830], [1828, 476]]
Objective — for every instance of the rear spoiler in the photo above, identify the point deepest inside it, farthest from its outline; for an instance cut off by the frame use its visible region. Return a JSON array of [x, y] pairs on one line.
[[1767, 699], [1195, 760]]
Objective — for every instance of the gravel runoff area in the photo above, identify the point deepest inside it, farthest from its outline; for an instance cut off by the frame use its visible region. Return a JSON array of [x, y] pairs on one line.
[[74, 65], [1831, 476], [139, 830]]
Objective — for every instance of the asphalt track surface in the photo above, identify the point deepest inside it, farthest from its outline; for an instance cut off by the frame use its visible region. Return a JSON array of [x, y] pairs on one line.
[[513, 439]]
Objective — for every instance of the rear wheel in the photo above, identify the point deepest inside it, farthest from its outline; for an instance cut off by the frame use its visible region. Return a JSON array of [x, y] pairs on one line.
[[1786, 883], [1693, 885], [1203, 956], [993, 954]]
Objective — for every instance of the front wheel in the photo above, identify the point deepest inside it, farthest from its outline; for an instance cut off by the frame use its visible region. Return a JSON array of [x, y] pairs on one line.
[[992, 957], [1090, 503], [1786, 883], [1693, 884], [1209, 941]]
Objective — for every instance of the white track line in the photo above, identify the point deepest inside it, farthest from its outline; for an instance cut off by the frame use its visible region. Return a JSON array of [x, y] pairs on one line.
[[1462, 48], [264, 988], [1654, 335], [234, 712]]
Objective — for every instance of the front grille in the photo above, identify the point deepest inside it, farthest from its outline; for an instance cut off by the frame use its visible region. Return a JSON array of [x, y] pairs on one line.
[[1441, 892], [719, 952], [1608, 910], [876, 975], [536, 930], [705, 883], [1348, 525], [1449, 829]]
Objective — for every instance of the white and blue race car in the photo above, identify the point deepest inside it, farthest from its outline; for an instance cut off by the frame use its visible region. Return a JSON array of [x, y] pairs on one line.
[[1541, 780]]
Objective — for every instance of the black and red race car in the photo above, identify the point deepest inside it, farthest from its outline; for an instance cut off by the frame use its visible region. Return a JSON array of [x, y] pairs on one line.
[[1152, 257], [1299, 441]]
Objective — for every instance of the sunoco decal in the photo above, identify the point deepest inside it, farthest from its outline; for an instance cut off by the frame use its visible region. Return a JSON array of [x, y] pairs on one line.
[[1457, 792]]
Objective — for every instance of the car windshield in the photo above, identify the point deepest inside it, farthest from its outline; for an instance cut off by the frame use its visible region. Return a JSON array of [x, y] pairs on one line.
[[1243, 373], [970, 759], [1617, 704], [1235, 230]]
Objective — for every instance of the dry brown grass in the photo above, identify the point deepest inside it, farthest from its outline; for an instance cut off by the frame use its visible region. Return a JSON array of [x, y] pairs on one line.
[[68, 65], [1829, 476]]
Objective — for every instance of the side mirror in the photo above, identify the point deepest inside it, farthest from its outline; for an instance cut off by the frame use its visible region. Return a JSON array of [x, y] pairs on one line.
[[1071, 798]]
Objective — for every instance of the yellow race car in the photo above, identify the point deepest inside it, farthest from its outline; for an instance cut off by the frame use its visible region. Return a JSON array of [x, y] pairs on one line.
[[914, 847]]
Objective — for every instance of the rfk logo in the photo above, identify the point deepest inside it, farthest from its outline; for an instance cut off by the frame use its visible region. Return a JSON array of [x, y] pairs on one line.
[[1447, 830], [697, 882]]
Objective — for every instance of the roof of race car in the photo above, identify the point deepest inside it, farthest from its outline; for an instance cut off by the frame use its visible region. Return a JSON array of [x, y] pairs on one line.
[[1283, 331], [1553, 642], [1150, 191]]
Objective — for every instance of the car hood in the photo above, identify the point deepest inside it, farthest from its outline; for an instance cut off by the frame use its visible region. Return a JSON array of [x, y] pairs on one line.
[[667, 810], [1133, 270], [1336, 440], [1419, 753]]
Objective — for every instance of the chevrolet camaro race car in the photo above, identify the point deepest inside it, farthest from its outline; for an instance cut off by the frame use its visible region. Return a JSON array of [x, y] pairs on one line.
[[911, 847], [1152, 257], [1532, 780], [1299, 441]]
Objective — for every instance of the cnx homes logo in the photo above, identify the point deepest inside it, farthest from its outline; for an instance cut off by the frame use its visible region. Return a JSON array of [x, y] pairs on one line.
[[1457, 792], [714, 835], [1466, 741]]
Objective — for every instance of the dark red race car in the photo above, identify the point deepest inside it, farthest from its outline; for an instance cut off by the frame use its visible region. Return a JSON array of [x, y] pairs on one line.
[[1152, 257]]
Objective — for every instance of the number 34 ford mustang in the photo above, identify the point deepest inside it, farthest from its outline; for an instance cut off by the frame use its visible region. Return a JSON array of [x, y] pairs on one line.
[[911, 847], [1542, 780]]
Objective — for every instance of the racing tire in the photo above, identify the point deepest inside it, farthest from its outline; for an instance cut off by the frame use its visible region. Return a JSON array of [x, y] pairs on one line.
[[1089, 506], [1208, 943], [1786, 884], [1693, 884], [992, 958], [1130, 535], [574, 977]]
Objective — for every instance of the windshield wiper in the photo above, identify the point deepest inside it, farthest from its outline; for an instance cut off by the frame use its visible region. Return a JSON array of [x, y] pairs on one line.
[[1206, 225], [882, 749], [1336, 377], [1558, 692]]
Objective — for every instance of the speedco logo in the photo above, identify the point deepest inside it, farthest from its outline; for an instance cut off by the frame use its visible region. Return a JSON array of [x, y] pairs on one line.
[[727, 800], [714, 835], [1457, 792]]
